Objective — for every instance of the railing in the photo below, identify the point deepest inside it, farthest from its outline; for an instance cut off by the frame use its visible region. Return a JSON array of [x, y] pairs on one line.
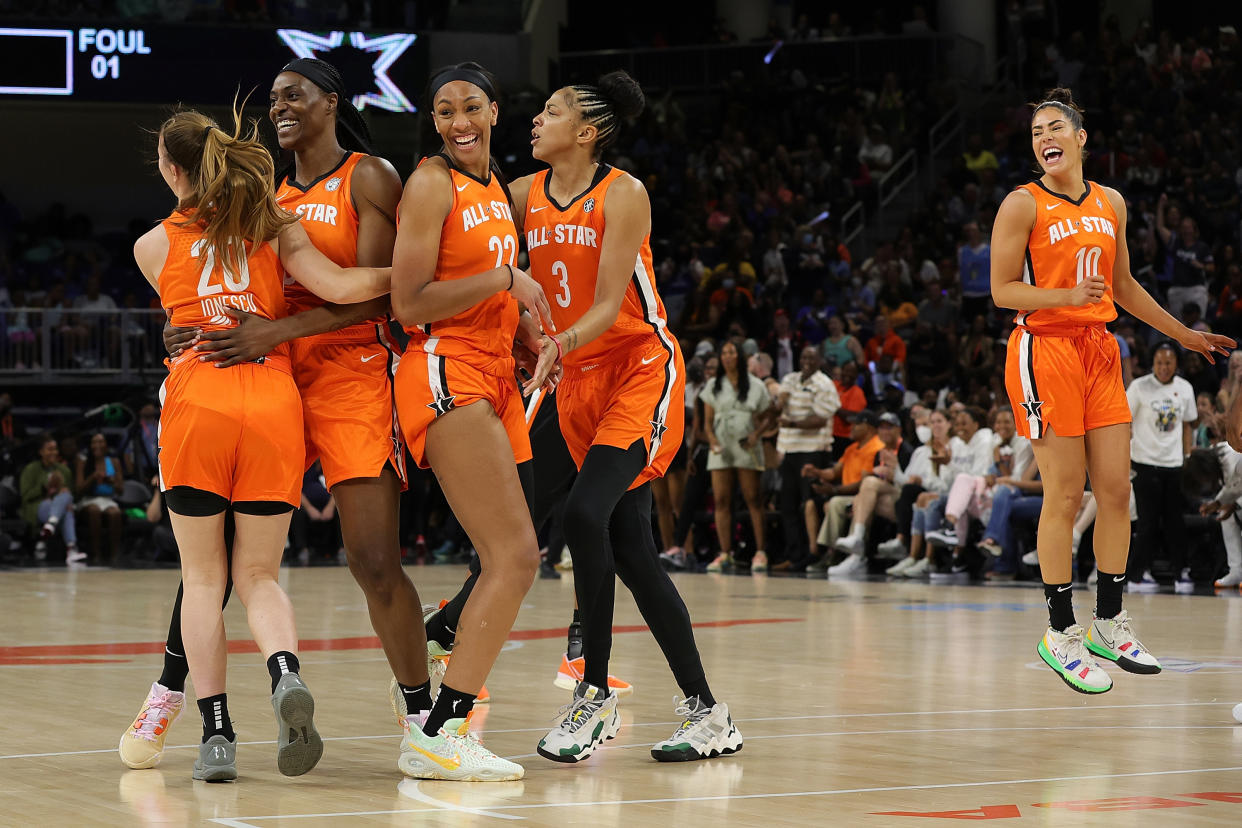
[[853, 222], [897, 179], [706, 66], [55, 345], [942, 132]]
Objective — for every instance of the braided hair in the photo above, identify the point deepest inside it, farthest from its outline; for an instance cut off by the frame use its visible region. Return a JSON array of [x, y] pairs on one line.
[[615, 97]]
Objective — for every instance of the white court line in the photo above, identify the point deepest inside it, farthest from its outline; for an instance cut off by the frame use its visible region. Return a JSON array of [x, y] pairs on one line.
[[411, 789], [678, 721], [245, 822]]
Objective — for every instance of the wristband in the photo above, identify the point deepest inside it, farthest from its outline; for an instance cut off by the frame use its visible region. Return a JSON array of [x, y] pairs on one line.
[[510, 287], [560, 352]]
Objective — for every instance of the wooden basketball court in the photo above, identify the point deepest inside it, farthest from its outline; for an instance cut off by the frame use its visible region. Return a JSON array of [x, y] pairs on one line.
[[862, 703]]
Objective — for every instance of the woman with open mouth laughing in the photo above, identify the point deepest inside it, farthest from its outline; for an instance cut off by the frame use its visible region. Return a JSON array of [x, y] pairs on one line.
[[458, 293], [1059, 259]]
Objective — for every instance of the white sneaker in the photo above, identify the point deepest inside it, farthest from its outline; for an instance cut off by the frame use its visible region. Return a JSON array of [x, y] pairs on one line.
[[899, 569], [585, 723], [705, 733], [942, 537], [142, 744], [1233, 579], [75, 557], [1031, 558], [850, 544], [1144, 584], [1113, 639], [453, 754], [1184, 584], [855, 564], [919, 568], [890, 549], [1068, 657]]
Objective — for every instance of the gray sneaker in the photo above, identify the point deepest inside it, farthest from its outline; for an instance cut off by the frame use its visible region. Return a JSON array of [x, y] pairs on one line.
[[298, 746], [217, 760]]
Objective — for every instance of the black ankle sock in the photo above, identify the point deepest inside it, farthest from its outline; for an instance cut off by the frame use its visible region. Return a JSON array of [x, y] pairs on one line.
[[573, 649], [215, 713], [700, 689], [1060, 599], [176, 668], [1108, 589], [281, 663], [439, 631], [418, 697], [450, 704]]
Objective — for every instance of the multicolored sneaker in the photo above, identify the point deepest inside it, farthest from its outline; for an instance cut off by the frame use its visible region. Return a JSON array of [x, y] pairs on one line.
[[571, 672], [1067, 655], [1113, 639], [585, 723], [453, 754], [142, 745], [705, 733], [298, 745], [217, 760]]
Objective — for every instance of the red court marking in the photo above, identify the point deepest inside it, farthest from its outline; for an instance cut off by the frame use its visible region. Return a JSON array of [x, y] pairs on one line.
[[1123, 803], [984, 812], [72, 653]]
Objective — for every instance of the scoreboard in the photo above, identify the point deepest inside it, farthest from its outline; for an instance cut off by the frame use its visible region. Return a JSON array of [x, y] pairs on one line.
[[202, 64]]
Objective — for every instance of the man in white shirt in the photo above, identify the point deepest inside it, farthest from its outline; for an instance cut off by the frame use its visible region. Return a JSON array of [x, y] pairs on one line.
[[1163, 407], [807, 401]]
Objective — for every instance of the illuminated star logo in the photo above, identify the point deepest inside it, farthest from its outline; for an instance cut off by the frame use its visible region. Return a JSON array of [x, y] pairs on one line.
[[443, 405], [1032, 407], [657, 430], [387, 49]]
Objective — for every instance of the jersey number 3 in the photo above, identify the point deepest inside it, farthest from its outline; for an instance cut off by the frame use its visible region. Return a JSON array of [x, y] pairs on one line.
[[1088, 262], [205, 285], [560, 271]]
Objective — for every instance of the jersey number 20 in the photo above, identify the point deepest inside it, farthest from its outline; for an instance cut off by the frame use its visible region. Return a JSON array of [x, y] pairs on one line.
[[205, 285], [1088, 262]]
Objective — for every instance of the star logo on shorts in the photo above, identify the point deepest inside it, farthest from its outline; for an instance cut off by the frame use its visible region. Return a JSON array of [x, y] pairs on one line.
[[1032, 408], [657, 430], [443, 405]]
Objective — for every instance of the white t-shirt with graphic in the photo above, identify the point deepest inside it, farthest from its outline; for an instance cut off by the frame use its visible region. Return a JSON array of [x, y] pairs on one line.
[[1159, 411]]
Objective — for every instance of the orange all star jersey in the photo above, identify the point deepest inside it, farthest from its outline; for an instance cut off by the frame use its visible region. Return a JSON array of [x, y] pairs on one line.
[[477, 235], [326, 209], [1070, 241], [564, 245], [196, 286]]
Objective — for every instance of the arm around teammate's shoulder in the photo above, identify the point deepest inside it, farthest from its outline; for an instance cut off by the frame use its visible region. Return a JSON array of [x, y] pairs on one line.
[[324, 277]]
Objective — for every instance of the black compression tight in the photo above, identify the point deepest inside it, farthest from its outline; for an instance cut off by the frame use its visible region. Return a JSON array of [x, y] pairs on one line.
[[608, 530]]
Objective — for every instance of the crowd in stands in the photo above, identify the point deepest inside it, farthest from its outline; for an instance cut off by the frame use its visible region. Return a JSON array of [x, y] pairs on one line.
[[847, 413]]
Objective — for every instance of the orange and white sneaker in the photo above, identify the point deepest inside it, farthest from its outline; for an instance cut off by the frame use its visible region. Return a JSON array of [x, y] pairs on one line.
[[571, 672], [142, 745]]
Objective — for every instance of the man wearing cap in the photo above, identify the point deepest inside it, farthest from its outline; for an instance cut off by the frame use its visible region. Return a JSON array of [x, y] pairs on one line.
[[807, 400], [841, 482], [877, 494]]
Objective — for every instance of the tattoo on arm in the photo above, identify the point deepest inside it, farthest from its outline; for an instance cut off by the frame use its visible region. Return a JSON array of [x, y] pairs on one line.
[[571, 339]]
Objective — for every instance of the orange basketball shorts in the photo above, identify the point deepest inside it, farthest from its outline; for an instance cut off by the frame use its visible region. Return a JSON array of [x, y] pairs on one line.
[[348, 407], [640, 395], [1067, 382], [429, 386], [235, 432]]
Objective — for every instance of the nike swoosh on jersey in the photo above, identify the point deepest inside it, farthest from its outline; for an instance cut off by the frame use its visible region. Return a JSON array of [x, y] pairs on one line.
[[651, 360], [1051, 206], [462, 187], [368, 358], [537, 209]]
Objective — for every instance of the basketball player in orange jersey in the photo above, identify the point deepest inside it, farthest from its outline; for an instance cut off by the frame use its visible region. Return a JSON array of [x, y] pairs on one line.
[[588, 228], [343, 359], [457, 292], [225, 436], [1059, 259]]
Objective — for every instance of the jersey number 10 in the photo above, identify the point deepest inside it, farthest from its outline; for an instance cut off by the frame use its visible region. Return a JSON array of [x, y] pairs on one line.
[[1088, 262], [235, 285]]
